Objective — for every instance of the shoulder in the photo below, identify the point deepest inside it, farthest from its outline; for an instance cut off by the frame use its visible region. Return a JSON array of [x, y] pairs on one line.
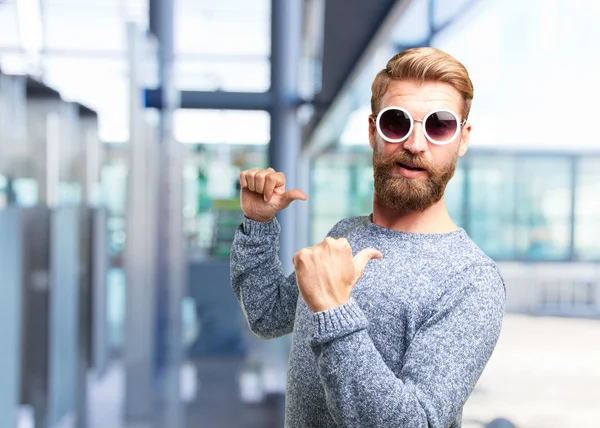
[[345, 227], [475, 263], [472, 272]]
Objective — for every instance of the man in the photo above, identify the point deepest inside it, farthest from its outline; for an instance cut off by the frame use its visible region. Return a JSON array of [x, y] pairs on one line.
[[394, 315]]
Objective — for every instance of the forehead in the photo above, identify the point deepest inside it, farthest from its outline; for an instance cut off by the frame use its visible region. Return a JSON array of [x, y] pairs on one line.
[[422, 97]]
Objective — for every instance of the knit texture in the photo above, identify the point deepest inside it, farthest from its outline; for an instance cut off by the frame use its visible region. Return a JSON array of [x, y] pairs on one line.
[[408, 347]]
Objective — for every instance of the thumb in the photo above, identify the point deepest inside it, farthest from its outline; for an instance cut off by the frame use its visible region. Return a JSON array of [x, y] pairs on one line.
[[293, 195], [362, 258]]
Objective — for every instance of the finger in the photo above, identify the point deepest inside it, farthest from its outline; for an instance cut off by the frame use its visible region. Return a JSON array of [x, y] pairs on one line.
[[363, 257], [243, 179], [259, 180], [273, 181], [293, 195], [250, 174]]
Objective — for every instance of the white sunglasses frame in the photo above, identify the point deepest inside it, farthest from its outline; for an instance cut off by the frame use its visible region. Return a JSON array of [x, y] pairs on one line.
[[412, 123]]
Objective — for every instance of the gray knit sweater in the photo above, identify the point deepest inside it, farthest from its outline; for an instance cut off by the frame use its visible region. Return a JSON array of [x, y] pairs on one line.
[[405, 351]]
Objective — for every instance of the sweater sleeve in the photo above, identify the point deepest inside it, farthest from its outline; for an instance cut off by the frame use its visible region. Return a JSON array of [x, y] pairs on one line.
[[441, 366], [267, 297]]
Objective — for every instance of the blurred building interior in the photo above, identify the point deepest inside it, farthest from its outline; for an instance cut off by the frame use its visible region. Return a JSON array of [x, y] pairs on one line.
[[124, 125]]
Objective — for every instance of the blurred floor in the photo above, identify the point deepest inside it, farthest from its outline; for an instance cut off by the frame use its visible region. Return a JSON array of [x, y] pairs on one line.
[[545, 373], [218, 403], [215, 404]]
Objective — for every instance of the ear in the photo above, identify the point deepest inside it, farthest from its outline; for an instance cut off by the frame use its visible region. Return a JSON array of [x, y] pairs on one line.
[[372, 131], [465, 139]]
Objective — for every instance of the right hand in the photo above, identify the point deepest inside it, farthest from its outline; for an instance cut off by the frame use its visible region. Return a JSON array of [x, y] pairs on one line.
[[263, 193]]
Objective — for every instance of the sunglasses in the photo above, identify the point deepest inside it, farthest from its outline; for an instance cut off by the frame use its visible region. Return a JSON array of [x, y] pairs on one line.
[[395, 124]]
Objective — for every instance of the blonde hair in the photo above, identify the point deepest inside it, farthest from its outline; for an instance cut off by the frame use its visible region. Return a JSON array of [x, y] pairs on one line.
[[424, 65]]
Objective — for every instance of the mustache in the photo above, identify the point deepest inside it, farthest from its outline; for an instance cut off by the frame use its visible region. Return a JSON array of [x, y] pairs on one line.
[[406, 158]]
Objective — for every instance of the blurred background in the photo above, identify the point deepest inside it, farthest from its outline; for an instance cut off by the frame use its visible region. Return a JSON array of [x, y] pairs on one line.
[[124, 125]]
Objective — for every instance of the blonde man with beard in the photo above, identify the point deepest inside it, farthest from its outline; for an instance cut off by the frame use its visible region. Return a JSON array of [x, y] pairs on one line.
[[396, 314]]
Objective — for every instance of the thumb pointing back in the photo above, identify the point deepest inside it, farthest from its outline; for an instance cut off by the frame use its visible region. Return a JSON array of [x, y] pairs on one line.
[[362, 258], [292, 195]]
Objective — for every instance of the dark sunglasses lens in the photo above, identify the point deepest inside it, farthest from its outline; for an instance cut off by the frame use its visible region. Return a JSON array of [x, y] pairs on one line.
[[441, 126], [394, 124]]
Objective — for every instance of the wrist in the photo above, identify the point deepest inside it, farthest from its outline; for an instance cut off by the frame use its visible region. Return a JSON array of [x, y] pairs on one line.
[[259, 219]]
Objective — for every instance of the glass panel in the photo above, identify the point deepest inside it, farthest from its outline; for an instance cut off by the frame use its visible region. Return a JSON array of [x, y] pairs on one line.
[[97, 25], [100, 84], [222, 126], [224, 73], [330, 194], [226, 27], [211, 195], [587, 210], [331, 188], [491, 205], [223, 45], [361, 202], [9, 36], [543, 207]]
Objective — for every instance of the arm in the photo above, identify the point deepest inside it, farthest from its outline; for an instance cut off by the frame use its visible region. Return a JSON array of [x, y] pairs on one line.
[[267, 297], [441, 366]]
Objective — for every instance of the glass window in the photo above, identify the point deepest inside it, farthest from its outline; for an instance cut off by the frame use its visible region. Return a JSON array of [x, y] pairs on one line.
[[519, 207], [587, 209], [84, 25], [543, 208], [9, 36], [222, 126], [225, 73], [211, 194], [223, 45], [491, 204], [330, 194]]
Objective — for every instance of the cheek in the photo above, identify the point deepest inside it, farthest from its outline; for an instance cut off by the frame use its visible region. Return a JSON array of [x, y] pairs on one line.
[[442, 156], [387, 149]]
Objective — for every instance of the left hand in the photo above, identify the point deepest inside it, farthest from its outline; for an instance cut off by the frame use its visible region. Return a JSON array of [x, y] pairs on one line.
[[327, 272]]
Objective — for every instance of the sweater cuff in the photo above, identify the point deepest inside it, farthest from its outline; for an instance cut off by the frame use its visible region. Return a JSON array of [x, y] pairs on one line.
[[337, 322], [253, 228]]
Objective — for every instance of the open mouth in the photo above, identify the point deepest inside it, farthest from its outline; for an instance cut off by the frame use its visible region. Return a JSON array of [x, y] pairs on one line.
[[410, 167]]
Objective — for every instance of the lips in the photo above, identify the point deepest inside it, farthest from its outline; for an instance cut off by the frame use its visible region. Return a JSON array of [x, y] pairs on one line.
[[410, 167]]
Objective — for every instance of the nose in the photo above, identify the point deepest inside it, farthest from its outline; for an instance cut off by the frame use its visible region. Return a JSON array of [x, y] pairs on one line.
[[416, 141]]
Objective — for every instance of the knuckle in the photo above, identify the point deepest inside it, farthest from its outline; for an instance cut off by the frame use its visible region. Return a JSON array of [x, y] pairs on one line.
[[302, 255]]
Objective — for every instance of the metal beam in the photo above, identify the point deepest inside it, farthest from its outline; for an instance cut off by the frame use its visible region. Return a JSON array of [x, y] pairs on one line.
[[284, 147], [140, 322], [170, 257], [218, 100]]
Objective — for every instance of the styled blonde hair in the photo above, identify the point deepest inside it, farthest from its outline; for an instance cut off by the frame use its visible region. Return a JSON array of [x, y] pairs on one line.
[[423, 65]]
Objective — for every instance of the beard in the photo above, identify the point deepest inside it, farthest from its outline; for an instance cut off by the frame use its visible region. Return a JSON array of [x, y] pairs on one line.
[[410, 195]]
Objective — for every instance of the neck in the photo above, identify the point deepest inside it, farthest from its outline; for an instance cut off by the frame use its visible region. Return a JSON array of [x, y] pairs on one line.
[[434, 219]]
